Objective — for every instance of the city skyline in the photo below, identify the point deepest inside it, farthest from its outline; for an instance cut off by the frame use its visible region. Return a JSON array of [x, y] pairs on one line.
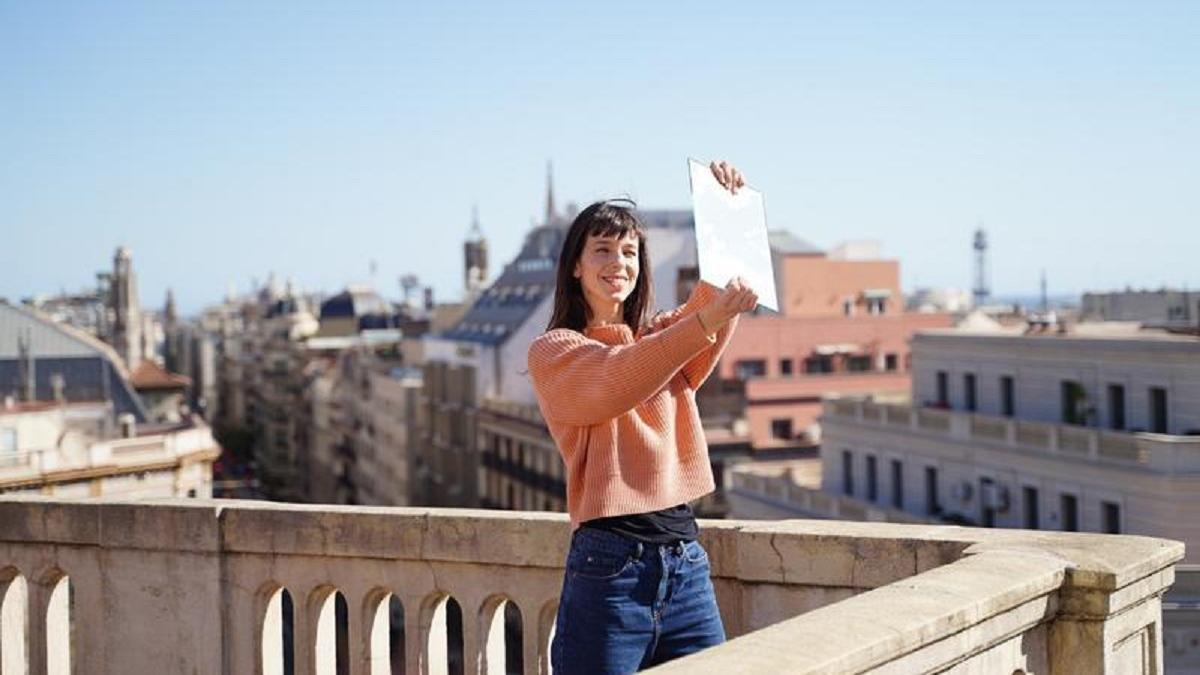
[[222, 143]]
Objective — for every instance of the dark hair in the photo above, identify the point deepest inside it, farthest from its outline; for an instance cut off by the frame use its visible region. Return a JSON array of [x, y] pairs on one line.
[[613, 217]]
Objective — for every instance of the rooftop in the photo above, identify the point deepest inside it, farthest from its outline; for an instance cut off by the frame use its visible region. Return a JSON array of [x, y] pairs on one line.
[[150, 375], [977, 324]]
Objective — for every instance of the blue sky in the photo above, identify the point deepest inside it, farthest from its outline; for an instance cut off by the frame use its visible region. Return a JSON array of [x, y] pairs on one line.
[[221, 141]]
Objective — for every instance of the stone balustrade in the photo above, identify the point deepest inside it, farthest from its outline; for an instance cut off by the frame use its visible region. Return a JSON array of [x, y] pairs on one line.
[[1157, 452], [198, 586]]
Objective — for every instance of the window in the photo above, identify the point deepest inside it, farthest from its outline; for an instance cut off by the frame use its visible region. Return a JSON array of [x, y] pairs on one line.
[[932, 506], [876, 305], [969, 391], [1111, 516], [1116, 407], [1158, 410], [1008, 406], [1029, 499], [1072, 400], [847, 307], [847, 473], [943, 388], [858, 364], [897, 484], [8, 440], [891, 362], [1068, 506], [818, 364], [749, 368], [781, 428], [872, 482], [785, 366]]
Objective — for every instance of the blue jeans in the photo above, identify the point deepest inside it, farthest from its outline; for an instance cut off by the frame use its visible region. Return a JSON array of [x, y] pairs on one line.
[[626, 605]]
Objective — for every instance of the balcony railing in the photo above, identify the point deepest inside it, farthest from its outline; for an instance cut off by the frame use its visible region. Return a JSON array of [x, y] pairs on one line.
[[183, 586], [115, 455], [1156, 452]]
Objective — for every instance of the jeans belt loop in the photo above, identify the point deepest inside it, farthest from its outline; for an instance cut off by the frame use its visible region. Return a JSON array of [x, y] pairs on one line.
[[637, 553]]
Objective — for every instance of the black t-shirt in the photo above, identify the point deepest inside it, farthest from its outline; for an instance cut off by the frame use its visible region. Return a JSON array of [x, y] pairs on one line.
[[656, 527]]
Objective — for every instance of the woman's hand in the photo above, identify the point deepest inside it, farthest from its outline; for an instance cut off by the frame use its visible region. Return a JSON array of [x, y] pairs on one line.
[[737, 297], [727, 175]]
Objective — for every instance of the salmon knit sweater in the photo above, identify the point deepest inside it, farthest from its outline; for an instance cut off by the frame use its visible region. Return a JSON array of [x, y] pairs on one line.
[[622, 409]]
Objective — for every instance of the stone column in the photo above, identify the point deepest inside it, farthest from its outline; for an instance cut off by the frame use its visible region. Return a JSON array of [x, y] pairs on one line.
[[1100, 630]]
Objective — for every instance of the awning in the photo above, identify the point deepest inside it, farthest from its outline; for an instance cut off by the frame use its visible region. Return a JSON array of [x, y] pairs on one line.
[[877, 293]]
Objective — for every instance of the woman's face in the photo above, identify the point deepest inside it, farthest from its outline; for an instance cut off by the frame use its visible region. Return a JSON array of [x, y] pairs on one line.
[[608, 271]]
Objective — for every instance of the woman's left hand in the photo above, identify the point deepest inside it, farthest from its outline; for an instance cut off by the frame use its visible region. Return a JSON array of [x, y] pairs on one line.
[[727, 175]]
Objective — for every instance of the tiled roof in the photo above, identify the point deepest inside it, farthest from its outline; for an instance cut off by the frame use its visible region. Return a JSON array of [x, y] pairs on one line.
[[516, 293], [354, 302], [150, 375]]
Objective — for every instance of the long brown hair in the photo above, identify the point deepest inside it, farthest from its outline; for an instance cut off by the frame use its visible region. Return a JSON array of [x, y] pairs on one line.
[[613, 217]]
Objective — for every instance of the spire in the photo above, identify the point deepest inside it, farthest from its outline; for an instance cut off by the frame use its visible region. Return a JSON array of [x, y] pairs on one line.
[[475, 234], [550, 216], [169, 311]]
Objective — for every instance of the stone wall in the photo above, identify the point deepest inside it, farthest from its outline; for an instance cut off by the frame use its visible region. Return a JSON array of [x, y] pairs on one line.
[[183, 586]]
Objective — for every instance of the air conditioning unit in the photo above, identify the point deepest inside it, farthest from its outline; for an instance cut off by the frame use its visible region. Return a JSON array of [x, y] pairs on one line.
[[994, 497]]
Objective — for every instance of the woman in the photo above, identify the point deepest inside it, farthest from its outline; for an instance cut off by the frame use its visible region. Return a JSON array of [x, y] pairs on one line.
[[619, 395]]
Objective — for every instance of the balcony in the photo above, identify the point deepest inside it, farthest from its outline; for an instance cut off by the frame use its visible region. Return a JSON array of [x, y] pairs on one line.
[[1162, 453], [183, 586]]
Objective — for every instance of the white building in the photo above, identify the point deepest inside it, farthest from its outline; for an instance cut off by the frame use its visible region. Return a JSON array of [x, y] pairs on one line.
[[76, 450], [1095, 428], [1162, 307]]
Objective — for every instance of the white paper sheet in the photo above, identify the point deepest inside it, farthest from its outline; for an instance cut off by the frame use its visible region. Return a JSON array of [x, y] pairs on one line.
[[731, 235]]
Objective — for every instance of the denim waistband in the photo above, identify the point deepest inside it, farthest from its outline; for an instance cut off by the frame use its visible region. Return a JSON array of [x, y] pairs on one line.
[[612, 542]]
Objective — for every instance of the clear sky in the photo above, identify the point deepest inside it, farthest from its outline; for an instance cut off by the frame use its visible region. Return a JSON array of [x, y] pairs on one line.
[[223, 141]]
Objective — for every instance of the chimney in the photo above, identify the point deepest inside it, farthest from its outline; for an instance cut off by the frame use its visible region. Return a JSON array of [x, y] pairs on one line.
[[58, 385], [127, 423], [26, 366]]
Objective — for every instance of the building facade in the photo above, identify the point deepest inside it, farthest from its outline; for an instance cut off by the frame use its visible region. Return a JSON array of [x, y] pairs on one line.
[[1164, 307], [1092, 429], [75, 450]]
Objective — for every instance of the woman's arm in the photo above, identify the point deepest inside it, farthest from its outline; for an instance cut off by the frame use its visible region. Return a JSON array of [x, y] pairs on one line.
[[701, 365], [580, 381], [702, 294]]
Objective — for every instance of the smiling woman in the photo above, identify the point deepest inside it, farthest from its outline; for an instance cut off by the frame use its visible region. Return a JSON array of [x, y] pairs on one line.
[[617, 391], [604, 261]]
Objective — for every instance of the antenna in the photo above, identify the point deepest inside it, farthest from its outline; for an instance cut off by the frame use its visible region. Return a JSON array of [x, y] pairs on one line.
[[1045, 297]]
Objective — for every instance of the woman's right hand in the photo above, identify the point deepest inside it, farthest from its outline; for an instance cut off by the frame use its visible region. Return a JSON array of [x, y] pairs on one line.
[[737, 297]]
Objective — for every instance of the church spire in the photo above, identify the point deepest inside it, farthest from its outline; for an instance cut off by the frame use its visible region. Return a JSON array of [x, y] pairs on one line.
[[475, 234]]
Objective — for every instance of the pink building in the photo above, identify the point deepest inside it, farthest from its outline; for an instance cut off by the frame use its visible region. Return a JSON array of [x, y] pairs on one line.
[[842, 329]]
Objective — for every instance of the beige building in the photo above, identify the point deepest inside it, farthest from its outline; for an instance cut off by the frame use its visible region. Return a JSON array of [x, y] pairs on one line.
[[74, 450], [362, 402]]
